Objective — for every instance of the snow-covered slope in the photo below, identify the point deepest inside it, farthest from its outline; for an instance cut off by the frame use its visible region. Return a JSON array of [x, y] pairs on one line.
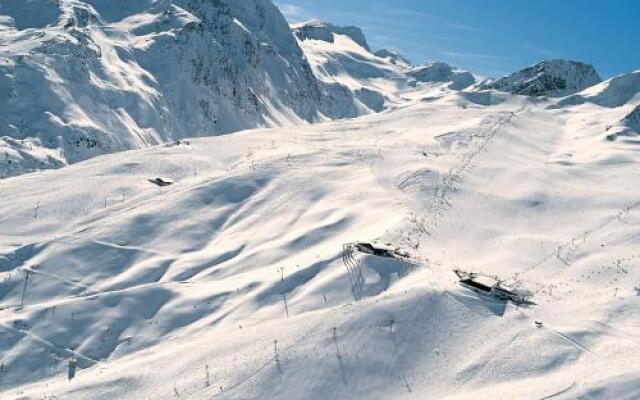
[[230, 283], [83, 78], [394, 57], [382, 79], [340, 56], [615, 92], [324, 31], [440, 72], [616, 101], [548, 78]]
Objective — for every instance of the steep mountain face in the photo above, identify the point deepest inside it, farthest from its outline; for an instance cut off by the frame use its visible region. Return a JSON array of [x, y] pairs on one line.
[[441, 72], [340, 56], [548, 78], [84, 78]]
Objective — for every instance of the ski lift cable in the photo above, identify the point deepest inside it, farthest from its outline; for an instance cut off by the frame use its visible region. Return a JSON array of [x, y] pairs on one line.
[[440, 204], [572, 242]]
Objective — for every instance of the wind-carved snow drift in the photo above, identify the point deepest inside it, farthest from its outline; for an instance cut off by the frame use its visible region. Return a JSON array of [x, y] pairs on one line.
[[84, 78], [548, 78]]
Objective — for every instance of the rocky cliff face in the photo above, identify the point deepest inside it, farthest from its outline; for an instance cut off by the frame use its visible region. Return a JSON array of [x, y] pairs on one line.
[[548, 78], [83, 78]]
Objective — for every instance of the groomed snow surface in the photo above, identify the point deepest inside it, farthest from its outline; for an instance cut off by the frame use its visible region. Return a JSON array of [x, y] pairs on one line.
[[229, 283]]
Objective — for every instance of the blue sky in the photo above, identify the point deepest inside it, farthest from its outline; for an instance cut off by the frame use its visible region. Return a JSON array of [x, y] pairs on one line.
[[491, 37]]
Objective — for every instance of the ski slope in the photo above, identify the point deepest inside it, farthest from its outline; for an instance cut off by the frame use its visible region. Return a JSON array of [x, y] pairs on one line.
[[230, 283]]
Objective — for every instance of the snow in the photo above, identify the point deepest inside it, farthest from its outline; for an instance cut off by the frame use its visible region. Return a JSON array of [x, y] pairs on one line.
[[548, 78], [379, 80], [319, 30], [441, 72], [162, 260], [614, 92], [80, 79], [394, 56], [230, 283], [337, 59]]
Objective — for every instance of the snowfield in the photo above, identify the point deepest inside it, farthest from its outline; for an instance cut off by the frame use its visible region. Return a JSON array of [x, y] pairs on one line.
[[230, 282], [143, 256]]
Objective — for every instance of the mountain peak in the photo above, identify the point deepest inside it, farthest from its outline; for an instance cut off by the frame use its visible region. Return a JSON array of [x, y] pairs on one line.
[[548, 78], [320, 30], [393, 55], [442, 72]]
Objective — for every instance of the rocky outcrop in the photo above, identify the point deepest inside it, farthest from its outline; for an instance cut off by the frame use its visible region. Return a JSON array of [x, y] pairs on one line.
[[393, 56], [440, 72], [319, 30], [548, 78]]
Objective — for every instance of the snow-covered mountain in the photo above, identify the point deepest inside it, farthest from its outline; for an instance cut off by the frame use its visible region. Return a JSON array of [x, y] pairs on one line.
[[324, 31], [440, 72], [341, 56], [224, 266], [621, 95], [394, 57], [379, 80], [231, 283], [84, 78], [548, 78], [614, 92]]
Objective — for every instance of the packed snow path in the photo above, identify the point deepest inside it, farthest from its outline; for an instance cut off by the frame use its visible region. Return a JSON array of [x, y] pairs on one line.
[[230, 283]]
